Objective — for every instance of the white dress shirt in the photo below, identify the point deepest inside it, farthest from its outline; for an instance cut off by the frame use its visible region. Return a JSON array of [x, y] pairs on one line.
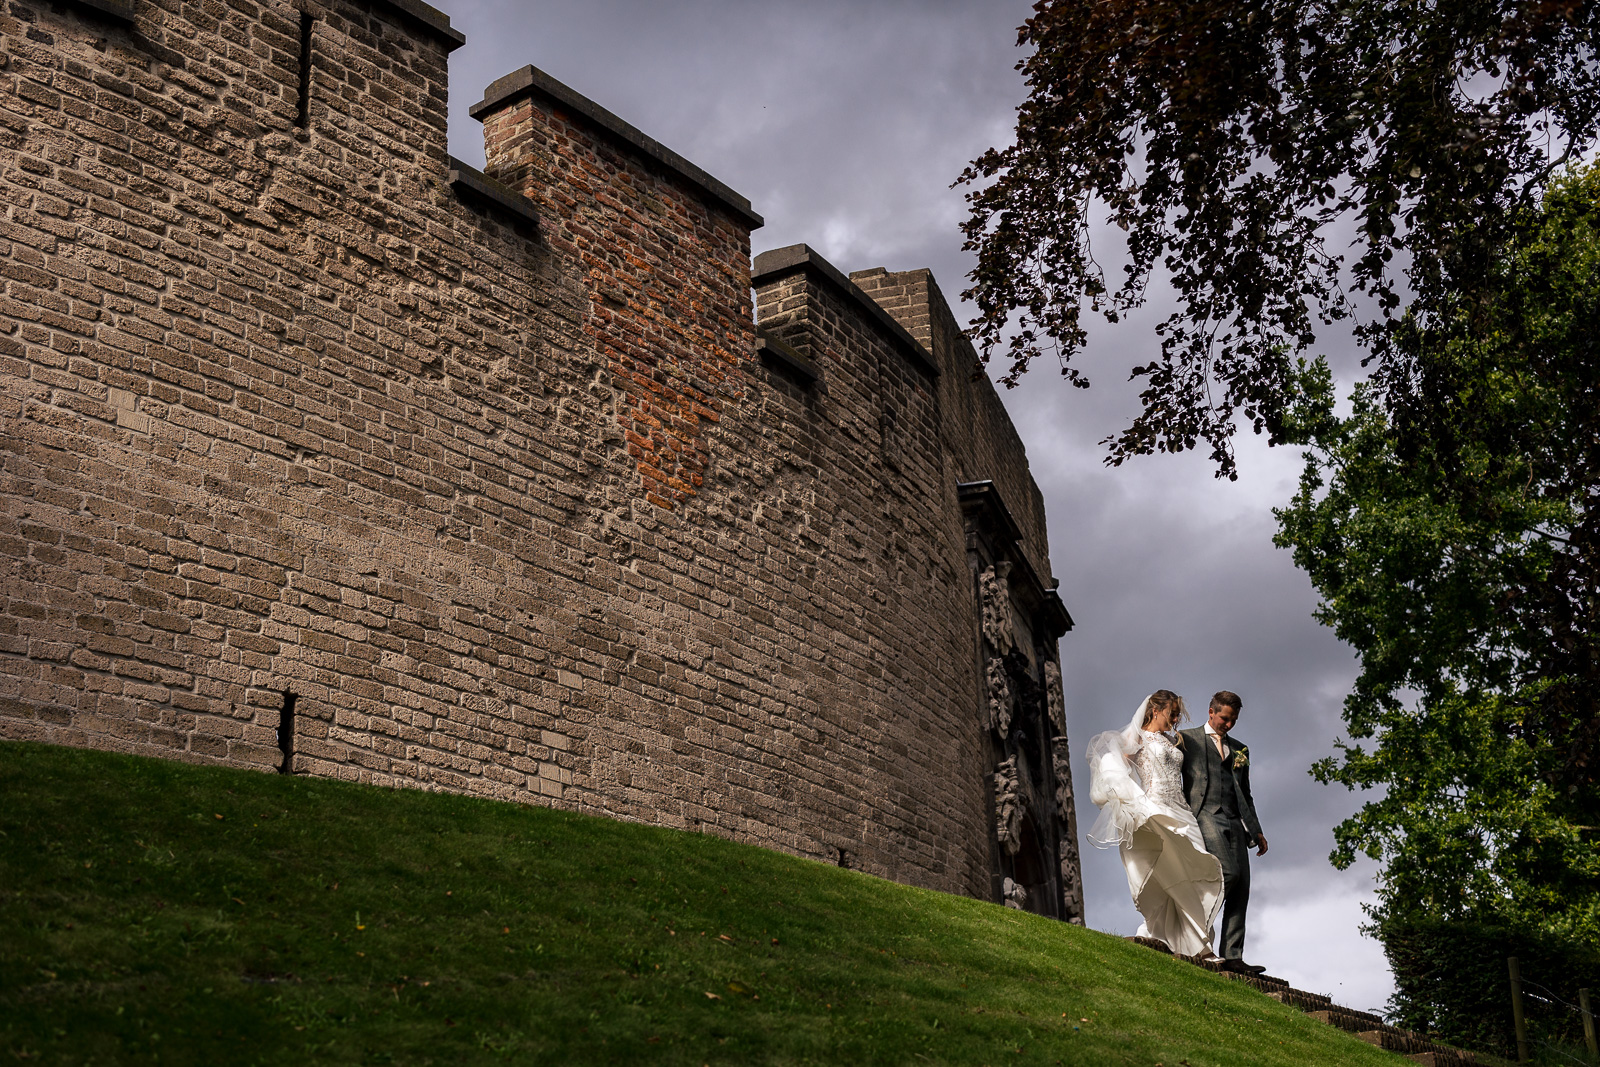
[[1222, 746]]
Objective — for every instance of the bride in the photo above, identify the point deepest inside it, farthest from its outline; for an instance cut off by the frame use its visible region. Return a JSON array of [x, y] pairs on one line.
[[1136, 779]]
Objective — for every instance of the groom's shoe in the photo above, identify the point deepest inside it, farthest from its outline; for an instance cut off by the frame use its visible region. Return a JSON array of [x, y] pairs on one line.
[[1238, 966]]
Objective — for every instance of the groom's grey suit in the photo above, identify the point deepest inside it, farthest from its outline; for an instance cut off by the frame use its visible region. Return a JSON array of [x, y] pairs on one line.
[[1219, 795]]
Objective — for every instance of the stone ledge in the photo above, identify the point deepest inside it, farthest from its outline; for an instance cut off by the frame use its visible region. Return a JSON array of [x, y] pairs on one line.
[[466, 179], [432, 18], [531, 81], [984, 498], [1366, 1026], [787, 357], [117, 9], [778, 262]]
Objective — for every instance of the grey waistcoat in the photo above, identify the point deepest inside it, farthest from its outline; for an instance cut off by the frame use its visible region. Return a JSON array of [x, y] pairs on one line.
[[1219, 796]]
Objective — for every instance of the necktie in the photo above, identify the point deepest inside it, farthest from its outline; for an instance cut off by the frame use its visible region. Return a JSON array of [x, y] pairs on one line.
[[1218, 739]]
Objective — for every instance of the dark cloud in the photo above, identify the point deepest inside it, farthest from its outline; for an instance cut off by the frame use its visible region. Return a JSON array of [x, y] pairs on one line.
[[845, 123]]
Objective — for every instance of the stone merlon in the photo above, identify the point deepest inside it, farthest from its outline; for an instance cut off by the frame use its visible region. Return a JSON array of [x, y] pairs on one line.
[[531, 81]]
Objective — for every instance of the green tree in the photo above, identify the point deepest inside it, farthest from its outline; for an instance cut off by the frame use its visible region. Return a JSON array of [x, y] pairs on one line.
[[1463, 566], [1231, 142]]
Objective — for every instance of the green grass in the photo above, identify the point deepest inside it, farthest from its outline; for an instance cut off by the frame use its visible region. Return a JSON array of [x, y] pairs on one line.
[[157, 912]]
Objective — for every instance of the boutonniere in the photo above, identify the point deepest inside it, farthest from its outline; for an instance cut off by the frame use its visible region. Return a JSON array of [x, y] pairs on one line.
[[1241, 759]]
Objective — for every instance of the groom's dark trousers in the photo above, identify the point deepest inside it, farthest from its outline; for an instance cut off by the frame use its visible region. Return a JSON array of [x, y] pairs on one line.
[[1219, 796]]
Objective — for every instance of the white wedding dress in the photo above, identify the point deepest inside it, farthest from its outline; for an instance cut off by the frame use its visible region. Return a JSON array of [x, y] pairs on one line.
[[1136, 778]]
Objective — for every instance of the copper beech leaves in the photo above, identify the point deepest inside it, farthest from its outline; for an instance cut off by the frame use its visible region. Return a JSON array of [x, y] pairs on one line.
[[1274, 160]]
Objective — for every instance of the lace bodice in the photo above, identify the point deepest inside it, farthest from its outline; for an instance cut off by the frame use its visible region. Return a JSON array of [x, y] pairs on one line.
[[1159, 762]]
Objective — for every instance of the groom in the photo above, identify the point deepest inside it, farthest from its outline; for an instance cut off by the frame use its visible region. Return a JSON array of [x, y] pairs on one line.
[[1216, 782]]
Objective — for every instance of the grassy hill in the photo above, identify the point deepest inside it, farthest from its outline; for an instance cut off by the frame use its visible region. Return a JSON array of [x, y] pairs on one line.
[[157, 912]]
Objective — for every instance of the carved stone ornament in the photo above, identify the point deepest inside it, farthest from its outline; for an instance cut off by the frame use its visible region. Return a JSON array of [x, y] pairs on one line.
[[995, 592], [1071, 889], [1000, 702], [1061, 758], [1054, 701], [1008, 806], [1015, 896]]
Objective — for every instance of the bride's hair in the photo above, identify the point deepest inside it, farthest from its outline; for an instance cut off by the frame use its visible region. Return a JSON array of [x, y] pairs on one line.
[[1163, 699]]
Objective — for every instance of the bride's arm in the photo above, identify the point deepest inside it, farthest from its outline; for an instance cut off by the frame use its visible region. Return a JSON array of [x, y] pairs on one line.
[[1115, 788], [1113, 770]]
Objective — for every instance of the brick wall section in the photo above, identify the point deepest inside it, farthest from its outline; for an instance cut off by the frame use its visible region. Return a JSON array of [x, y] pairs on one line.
[[665, 269], [510, 509], [981, 445], [885, 507], [268, 406], [982, 441]]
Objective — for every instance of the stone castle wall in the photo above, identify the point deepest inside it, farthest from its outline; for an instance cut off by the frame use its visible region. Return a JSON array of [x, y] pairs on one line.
[[326, 453]]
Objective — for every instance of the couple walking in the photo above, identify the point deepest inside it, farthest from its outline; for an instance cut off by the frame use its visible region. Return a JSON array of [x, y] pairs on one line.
[[1178, 806]]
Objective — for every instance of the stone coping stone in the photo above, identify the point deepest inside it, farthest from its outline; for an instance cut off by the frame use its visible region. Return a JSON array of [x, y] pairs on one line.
[[1363, 1024], [117, 9], [1372, 1029], [429, 16], [432, 18], [467, 179], [531, 81], [985, 495], [787, 357], [778, 262]]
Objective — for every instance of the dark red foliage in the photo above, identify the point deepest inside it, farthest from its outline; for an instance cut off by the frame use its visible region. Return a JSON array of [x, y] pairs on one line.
[[1274, 159]]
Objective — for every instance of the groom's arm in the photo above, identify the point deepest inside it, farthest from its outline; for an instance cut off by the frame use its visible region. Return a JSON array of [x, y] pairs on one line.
[[1247, 809]]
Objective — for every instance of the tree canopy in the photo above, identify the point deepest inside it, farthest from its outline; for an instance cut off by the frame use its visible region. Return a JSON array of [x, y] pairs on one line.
[[1465, 572], [1276, 159]]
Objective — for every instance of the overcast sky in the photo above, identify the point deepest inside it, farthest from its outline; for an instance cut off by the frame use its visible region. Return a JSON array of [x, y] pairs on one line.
[[845, 123]]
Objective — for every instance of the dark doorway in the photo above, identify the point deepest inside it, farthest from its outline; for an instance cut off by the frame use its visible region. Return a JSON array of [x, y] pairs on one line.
[[1031, 869], [286, 734]]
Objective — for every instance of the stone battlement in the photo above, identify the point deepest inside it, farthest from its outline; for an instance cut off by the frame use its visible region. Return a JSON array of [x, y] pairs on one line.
[[325, 453]]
